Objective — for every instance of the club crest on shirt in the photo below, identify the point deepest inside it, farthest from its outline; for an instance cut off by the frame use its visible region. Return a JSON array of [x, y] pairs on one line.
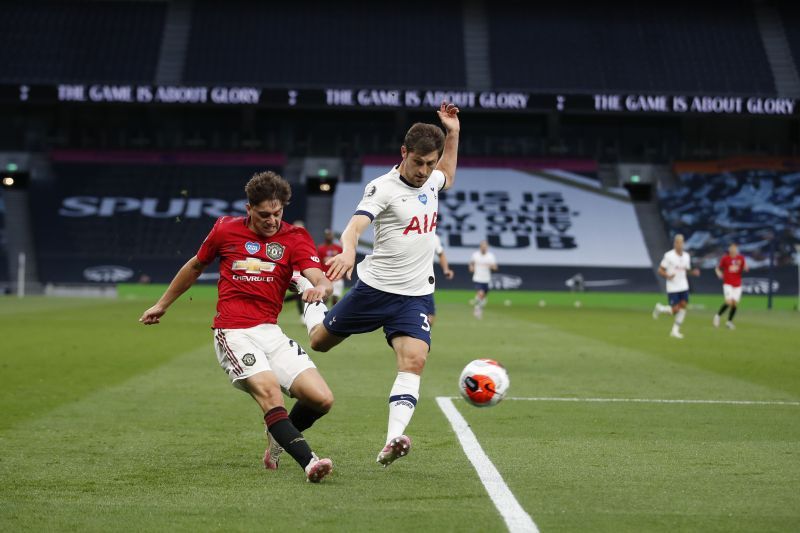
[[275, 250], [252, 247], [423, 198], [370, 191]]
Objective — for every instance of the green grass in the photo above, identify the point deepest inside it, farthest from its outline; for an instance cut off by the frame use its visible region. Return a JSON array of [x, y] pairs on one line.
[[108, 425]]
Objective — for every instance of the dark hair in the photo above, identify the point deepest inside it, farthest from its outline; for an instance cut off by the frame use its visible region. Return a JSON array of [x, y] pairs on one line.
[[423, 139], [267, 186]]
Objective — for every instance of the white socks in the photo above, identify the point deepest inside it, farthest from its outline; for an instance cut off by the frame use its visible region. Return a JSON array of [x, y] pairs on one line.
[[313, 314], [661, 308], [402, 401], [679, 317]]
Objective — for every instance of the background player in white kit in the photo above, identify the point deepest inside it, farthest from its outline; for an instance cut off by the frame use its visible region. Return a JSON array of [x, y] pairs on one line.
[[481, 264], [674, 267], [438, 251], [396, 281]]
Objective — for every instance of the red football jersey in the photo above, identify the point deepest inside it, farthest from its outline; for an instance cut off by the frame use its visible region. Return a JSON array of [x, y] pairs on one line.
[[325, 251], [254, 272], [732, 268]]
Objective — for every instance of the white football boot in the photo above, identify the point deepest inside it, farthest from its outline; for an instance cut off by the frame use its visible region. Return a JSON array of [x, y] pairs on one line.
[[716, 321]]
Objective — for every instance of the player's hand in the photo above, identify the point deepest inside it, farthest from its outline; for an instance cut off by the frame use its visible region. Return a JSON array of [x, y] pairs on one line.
[[152, 315], [670, 276], [448, 114], [695, 272], [449, 274], [316, 294], [341, 265]]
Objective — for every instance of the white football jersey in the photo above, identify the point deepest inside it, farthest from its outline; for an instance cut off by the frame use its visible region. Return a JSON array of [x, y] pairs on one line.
[[678, 265], [405, 233], [437, 247], [482, 264]]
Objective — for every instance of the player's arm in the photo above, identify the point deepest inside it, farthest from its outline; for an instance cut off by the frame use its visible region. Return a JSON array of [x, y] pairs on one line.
[[322, 285], [449, 274], [342, 264], [694, 271], [718, 271], [471, 266], [183, 280], [448, 114], [663, 272]]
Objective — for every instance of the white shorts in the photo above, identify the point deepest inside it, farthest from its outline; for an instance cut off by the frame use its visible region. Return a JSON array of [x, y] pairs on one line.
[[245, 352], [338, 288], [732, 293]]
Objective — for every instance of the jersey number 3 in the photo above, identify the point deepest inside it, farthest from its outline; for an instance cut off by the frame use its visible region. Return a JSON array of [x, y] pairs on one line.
[[425, 324]]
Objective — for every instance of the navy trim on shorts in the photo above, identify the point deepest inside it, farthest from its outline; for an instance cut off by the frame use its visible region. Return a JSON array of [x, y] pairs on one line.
[[675, 298], [364, 309]]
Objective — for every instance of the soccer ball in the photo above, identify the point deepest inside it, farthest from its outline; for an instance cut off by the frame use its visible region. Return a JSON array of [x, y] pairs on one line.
[[483, 382]]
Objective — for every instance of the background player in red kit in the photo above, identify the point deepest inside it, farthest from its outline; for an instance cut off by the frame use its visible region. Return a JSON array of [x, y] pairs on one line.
[[330, 249], [730, 270], [257, 255]]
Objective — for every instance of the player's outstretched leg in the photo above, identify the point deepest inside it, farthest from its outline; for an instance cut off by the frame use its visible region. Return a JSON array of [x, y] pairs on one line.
[[661, 308], [272, 454], [266, 391], [731, 313], [722, 309], [292, 441], [676, 326], [411, 354], [396, 447]]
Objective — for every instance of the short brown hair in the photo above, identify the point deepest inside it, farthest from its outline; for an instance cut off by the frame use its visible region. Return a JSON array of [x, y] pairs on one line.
[[267, 186], [424, 138]]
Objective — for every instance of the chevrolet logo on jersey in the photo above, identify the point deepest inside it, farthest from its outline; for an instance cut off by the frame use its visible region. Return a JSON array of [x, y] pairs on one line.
[[253, 265]]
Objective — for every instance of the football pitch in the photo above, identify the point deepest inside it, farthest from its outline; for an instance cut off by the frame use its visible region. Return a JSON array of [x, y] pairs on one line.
[[109, 425]]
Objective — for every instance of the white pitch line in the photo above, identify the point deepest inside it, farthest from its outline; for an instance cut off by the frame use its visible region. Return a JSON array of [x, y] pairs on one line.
[[655, 400], [516, 519]]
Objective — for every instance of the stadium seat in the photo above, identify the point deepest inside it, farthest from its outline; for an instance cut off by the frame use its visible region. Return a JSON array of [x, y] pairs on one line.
[[749, 208], [77, 41]]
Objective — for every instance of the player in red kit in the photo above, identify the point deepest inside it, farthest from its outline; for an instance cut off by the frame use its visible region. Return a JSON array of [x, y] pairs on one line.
[[730, 270], [324, 251], [257, 255]]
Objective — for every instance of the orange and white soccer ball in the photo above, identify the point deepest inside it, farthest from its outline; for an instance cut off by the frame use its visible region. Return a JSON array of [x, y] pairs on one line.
[[484, 382]]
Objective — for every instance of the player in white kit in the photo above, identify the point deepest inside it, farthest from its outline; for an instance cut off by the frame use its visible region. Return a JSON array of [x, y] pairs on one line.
[[396, 282], [674, 267], [481, 264], [438, 251]]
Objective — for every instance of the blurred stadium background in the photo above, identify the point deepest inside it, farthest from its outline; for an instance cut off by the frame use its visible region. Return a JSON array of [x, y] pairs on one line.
[[592, 132]]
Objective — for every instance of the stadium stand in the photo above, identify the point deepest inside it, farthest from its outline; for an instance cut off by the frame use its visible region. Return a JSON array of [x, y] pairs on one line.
[[149, 218], [755, 209], [345, 43], [790, 14], [665, 47], [74, 41]]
